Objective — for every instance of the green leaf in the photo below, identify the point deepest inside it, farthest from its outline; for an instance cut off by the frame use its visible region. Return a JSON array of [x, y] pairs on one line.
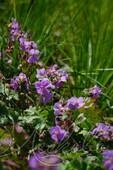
[[91, 159], [10, 94], [74, 155], [44, 113], [2, 87]]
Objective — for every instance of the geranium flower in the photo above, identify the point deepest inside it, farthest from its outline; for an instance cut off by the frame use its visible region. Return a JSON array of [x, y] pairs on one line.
[[75, 103], [108, 159], [57, 133]]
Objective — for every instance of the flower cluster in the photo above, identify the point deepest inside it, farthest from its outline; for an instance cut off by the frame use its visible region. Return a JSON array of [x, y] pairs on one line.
[[60, 108], [95, 92], [15, 30], [103, 131], [43, 87], [20, 80], [27, 46], [55, 75], [108, 159], [63, 106], [40, 161], [48, 80]]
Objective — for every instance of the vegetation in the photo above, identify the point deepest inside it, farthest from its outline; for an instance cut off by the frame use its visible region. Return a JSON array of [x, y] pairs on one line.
[[56, 78]]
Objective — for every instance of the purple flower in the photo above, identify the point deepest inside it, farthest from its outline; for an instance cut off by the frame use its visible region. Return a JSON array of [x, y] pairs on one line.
[[51, 71], [6, 141], [59, 108], [41, 73], [80, 147], [42, 86], [56, 121], [34, 162], [55, 75], [22, 44], [21, 79], [108, 159], [62, 77], [54, 67], [14, 29], [46, 98], [30, 45], [95, 92], [40, 161], [100, 127], [32, 59], [103, 131], [59, 77], [33, 53], [9, 61], [57, 133], [14, 84], [75, 103], [15, 26]]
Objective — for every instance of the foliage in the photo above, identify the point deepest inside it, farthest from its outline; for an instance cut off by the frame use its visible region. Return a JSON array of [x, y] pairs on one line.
[[76, 36]]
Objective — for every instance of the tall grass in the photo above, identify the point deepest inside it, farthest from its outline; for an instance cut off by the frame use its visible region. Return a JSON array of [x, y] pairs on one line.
[[76, 34]]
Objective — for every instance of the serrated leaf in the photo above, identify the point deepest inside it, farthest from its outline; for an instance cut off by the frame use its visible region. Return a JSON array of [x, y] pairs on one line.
[[28, 119], [31, 111]]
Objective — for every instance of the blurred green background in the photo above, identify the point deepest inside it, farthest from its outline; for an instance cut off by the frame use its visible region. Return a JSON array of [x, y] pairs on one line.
[[75, 34]]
